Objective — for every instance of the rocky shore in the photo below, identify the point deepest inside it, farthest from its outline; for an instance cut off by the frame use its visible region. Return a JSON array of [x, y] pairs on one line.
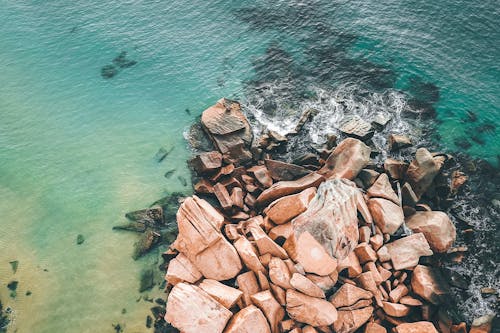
[[333, 242]]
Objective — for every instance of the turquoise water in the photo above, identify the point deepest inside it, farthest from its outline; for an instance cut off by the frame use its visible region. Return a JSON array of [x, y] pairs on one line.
[[77, 150]]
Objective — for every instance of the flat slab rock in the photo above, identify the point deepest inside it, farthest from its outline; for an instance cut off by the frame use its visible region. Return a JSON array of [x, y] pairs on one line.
[[309, 310], [356, 127], [405, 252], [436, 227], [192, 310], [417, 327]]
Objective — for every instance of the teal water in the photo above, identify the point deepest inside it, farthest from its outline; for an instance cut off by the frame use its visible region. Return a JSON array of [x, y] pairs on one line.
[[77, 150]]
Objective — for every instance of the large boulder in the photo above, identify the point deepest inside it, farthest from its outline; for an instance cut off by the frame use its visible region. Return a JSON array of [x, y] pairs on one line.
[[405, 252], [347, 160], [436, 227], [387, 215], [422, 171], [192, 310], [228, 129], [280, 170], [332, 220], [429, 284], [201, 240]]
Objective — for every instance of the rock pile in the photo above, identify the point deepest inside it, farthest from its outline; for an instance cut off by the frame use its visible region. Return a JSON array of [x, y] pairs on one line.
[[268, 246]]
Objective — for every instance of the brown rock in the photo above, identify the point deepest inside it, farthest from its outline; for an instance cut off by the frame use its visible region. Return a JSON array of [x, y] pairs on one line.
[[395, 168], [287, 325], [382, 189], [395, 309], [356, 127], [248, 320], [364, 234], [348, 295], [350, 321], [387, 215], [459, 328], [365, 253], [247, 283], [286, 208], [223, 294], [351, 262], [278, 293], [429, 284], [248, 255], [368, 177], [282, 231], [270, 307], [208, 162], [223, 196], [482, 324], [204, 187], [266, 244], [279, 273], [374, 328], [263, 282], [398, 292], [231, 231], [306, 286], [326, 283], [367, 281], [458, 178], [417, 327], [397, 142], [408, 300], [436, 227], [310, 254], [237, 197], [201, 240], [192, 310], [180, 269], [309, 310], [282, 188], [285, 171], [376, 241], [405, 252], [228, 129], [347, 160], [408, 195], [422, 171], [262, 175]]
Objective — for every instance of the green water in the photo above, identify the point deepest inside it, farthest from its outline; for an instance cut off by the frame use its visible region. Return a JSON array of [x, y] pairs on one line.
[[77, 151]]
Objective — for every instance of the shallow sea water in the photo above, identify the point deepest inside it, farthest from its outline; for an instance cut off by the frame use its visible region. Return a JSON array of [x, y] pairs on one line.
[[77, 151]]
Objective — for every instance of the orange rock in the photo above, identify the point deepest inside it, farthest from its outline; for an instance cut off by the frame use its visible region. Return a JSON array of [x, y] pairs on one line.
[[405, 252], [285, 171], [364, 234], [282, 231], [248, 320], [365, 253], [408, 300], [383, 254], [366, 281], [286, 208], [201, 240], [231, 231], [306, 286], [262, 175], [395, 309], [460, 328], [324, 282], [192, 310], [436, 227], [350, 321], [384, 273], [287, 325], [482, 324], [374, 328], [417, 327], [270, 307], [458, 178], [422, 171], [371, 267], [348, 295], [248, 255], [266, 244], [278, 293], [382, 189], [265, 259], [347, 160], [395, 168], [351, 262], [398, 292], [247, 283], [263, 282], [309, 310], [180, 269], [237, 197], [363, 303], [310, 254], [223, 294], [282, 188], [386, 214], [204, 187], [207, 162], [428, 283], [223, 196], [309, 329], [279, 273]]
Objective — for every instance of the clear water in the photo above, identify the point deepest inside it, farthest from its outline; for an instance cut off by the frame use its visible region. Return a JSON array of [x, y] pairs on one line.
[[77, 151]]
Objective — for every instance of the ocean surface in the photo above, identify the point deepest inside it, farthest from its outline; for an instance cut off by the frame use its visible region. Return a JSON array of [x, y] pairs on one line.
[[77, 150]]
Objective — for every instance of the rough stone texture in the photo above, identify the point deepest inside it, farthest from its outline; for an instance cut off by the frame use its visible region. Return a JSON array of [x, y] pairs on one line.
[[180, 269], [482, 324], [192, 310], [309, 310], [248, 320], [282, 188], [270, 307], [247, 283], [429, 284], [248, 254], [386, 214], [382, 189], [405, 252], [347, 160], [225, 295], [348, 295], [282, 230], [207, 162], [201, 240], [286, 208], [395, 168], [266, 244], [397, 142], [374, 328], [331, 217], [306, 286], [350, 321], [285, 171], [223, 196], [422, 171], [228, 129], [436, 227], [279, 273], [395, 309], [356, 127], [417, 327], [262, 175]]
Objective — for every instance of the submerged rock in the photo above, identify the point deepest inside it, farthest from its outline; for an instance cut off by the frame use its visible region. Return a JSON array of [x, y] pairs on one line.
[[152, 216], [80, 239], [108, 71], [149, 239], [146, 280], [14, 265]]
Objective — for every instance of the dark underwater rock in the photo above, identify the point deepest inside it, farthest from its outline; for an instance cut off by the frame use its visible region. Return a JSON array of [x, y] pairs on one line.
[[146, 280], [132, 226], [162, 154], [147, 241], [14, 264], [152, 216], [108, 71], [462, 143], [122, 61], [169, 173], [4, 319], [170, 204], [12, 285], [80, 239]]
